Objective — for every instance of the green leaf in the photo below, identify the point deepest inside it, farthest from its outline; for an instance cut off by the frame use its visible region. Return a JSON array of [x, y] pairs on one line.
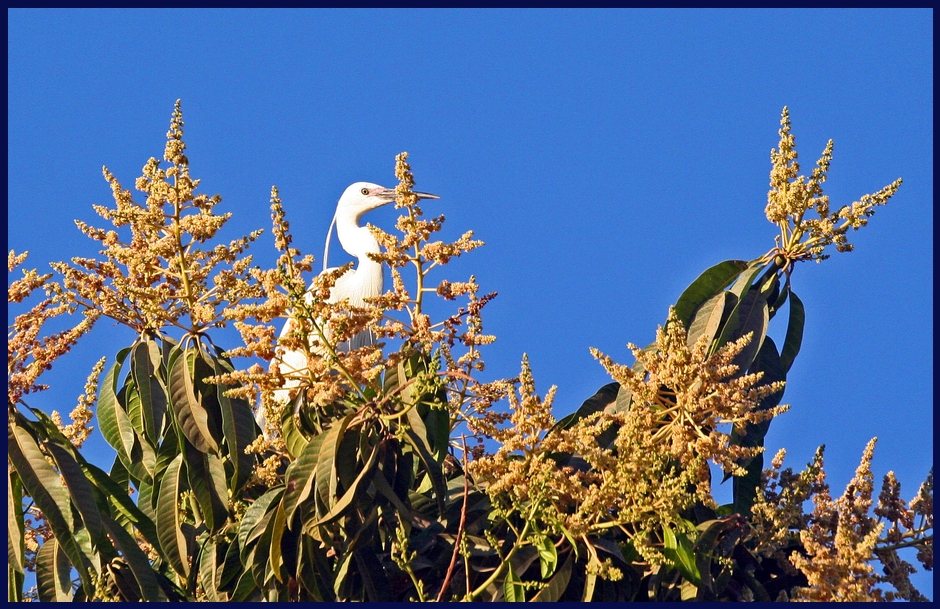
[[53, 581], [277, 525], [248, 528], [709, 317], [344, 502], [40, 480], [326, 479], [15, 582], [602, 399], [744, 488], [119, 499], [706, 286], [794, 339], [146, 583], [746, 279], [385, 489], [209, 571], [752, 434], [432, 468], [679, 549], [83, 496], [300, 476], [341, 574], [374, 582], [15, 527], [112, 419], [239, 430], [145, 362], [173, 541], [145, 499], [206, 476], [192, 417], [553, 591], [749, 315], [293, 438], [230, 569], [513, 591], [548, 556]]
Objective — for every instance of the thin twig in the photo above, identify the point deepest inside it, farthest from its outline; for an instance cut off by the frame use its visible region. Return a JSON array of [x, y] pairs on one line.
[[460, 527]]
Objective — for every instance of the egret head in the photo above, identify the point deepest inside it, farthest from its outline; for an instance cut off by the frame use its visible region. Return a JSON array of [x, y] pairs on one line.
[[361, 197]]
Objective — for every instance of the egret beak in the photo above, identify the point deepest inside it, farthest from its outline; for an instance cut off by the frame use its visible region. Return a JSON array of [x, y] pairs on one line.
[[389, 193]]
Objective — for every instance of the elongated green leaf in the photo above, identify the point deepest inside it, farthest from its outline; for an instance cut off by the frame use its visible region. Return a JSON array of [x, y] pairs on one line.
[[83, 496], [15, 581], [254, 515], [343, 503], [602, 399], [794, 339], [131, 399], [746, 279], [294, 440], [52, 573], [192, 417], [118, 498], [145, 360], [712, 542], [145, 582], [709, 317], [749, 315], [230, 569], [114, 432], [557, 585], [169, 521], [145, 499], [15, 526], [432, 468], [209, 571], [206, 476], [385, 489], [548, 556], [300, 476], [752, 434], [707, 285], [311, 563], [145, 579], [40, 481], [239, 430], [278, 526], [245, 589], [678, 548], [375, 584], [513, 591], [327, 478], [341, 574]]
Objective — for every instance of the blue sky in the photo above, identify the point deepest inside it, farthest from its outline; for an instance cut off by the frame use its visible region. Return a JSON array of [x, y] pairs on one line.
[[605, 157]]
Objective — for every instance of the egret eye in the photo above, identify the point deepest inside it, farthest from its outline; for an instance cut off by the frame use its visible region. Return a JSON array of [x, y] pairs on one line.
[[364, 191]]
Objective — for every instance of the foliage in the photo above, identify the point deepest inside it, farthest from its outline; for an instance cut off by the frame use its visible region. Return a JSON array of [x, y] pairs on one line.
[[390, 471]]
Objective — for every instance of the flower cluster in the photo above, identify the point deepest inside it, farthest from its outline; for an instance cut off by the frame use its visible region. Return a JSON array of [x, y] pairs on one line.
[[573, 484], [839, 542], [78, 430], [29, 354], [159, 274], [777, 513], [688, 400], [842, 538], [791, 197]]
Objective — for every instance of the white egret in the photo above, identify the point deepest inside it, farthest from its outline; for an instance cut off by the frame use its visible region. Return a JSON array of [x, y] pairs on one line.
[[356, 285]]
